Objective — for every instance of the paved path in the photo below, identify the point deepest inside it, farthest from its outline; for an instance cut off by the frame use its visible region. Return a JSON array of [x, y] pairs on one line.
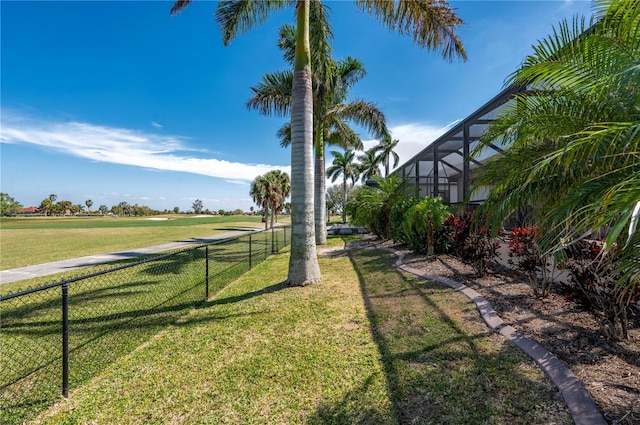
[[30, 272]]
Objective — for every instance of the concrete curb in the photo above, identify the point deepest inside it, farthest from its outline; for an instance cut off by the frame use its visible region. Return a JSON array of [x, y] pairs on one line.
[[583, 409]]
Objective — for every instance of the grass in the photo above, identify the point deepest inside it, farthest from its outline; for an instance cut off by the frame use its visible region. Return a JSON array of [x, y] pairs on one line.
[[368, 345], [127, 306], [28, 241]]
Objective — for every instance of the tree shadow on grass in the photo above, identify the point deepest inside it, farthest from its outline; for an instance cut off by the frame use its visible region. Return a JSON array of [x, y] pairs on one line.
[[247, 296], [350, 410], [436, 371]]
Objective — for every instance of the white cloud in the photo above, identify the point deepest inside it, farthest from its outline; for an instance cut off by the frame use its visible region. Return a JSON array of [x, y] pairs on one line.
[[127, 147], [155, 124], [413, 138]]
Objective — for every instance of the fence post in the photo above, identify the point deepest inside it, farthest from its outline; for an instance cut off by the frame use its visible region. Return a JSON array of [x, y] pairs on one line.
[[206, 270], [273, 249], [65, 340], [250, 255]]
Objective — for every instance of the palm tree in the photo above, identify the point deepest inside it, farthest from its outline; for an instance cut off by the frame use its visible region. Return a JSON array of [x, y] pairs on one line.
[[125, 208], [270, 191], [432, 26], [343, 164], [46, 206], [331, 83], [573, 139], [385, 151], [88, 203], [369, 165]]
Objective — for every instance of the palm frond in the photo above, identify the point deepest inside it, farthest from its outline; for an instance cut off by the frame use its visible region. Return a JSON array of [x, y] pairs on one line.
[[363, 113], [284, 134], [178, 6], [239, 16], [341, 134], [431, 23], [272, 96]]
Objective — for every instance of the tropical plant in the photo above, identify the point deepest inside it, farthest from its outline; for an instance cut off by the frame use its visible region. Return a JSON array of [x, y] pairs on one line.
[[369, 166], [471, 242], [103, 209], [573, 139], [396, 216], [421, 222], [385, 152], [270, 191], [331, 81], [63, 207], [371, 206], [594, 274], [526, 256], [343, 165], [46, 206], [432, 25]]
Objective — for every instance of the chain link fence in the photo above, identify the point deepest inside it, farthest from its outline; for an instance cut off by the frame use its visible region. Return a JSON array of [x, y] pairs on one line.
[[56, 337]]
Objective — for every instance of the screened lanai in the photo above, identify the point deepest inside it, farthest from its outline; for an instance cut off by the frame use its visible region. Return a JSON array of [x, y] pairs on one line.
[[446, 161]]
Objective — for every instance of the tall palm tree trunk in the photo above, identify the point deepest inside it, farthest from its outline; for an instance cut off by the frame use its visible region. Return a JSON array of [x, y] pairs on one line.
[[320, 190], [344, 199], [303, 264], [273, 215]]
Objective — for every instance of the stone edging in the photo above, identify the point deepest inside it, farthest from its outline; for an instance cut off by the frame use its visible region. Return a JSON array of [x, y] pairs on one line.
[[583, 409]]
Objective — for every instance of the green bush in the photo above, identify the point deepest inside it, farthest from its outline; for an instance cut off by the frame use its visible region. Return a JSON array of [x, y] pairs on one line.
[[396, 217], [421, 222], [371, 206]]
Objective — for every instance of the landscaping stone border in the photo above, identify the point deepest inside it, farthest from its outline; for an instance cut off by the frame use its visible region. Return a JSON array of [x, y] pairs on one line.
[[583, 409]]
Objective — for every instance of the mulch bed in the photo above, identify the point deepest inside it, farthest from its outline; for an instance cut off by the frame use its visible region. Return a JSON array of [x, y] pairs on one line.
[[609, 369]]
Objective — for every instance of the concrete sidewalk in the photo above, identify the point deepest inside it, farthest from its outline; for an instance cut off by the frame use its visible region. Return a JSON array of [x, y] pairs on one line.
[[38, 270]]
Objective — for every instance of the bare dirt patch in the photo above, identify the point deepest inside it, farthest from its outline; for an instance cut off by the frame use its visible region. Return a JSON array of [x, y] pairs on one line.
[[609, 370]]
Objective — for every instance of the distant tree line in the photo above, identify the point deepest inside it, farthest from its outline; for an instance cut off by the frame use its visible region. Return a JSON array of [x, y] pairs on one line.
[[50, 206]]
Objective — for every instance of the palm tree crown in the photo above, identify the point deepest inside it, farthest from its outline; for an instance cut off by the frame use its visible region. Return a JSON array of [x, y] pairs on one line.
[[385, 151], [343, 164], [369, 166], [270, 191], [432, 25]]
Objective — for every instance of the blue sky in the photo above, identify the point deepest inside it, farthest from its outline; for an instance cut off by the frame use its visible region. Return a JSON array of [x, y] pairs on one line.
[[119, 101]]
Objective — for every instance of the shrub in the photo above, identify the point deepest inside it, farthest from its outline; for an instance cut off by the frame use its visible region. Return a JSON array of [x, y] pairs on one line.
[[597, 284], [525, 256], [371, 206], [421, 222], [472, 246], [396, 216]]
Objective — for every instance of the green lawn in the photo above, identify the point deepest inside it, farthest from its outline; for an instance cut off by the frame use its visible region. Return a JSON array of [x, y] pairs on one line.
[[368, 345], [128, 305], [28, 241]]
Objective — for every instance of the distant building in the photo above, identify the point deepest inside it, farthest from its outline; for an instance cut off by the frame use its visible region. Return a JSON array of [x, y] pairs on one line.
[[30, 210]]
